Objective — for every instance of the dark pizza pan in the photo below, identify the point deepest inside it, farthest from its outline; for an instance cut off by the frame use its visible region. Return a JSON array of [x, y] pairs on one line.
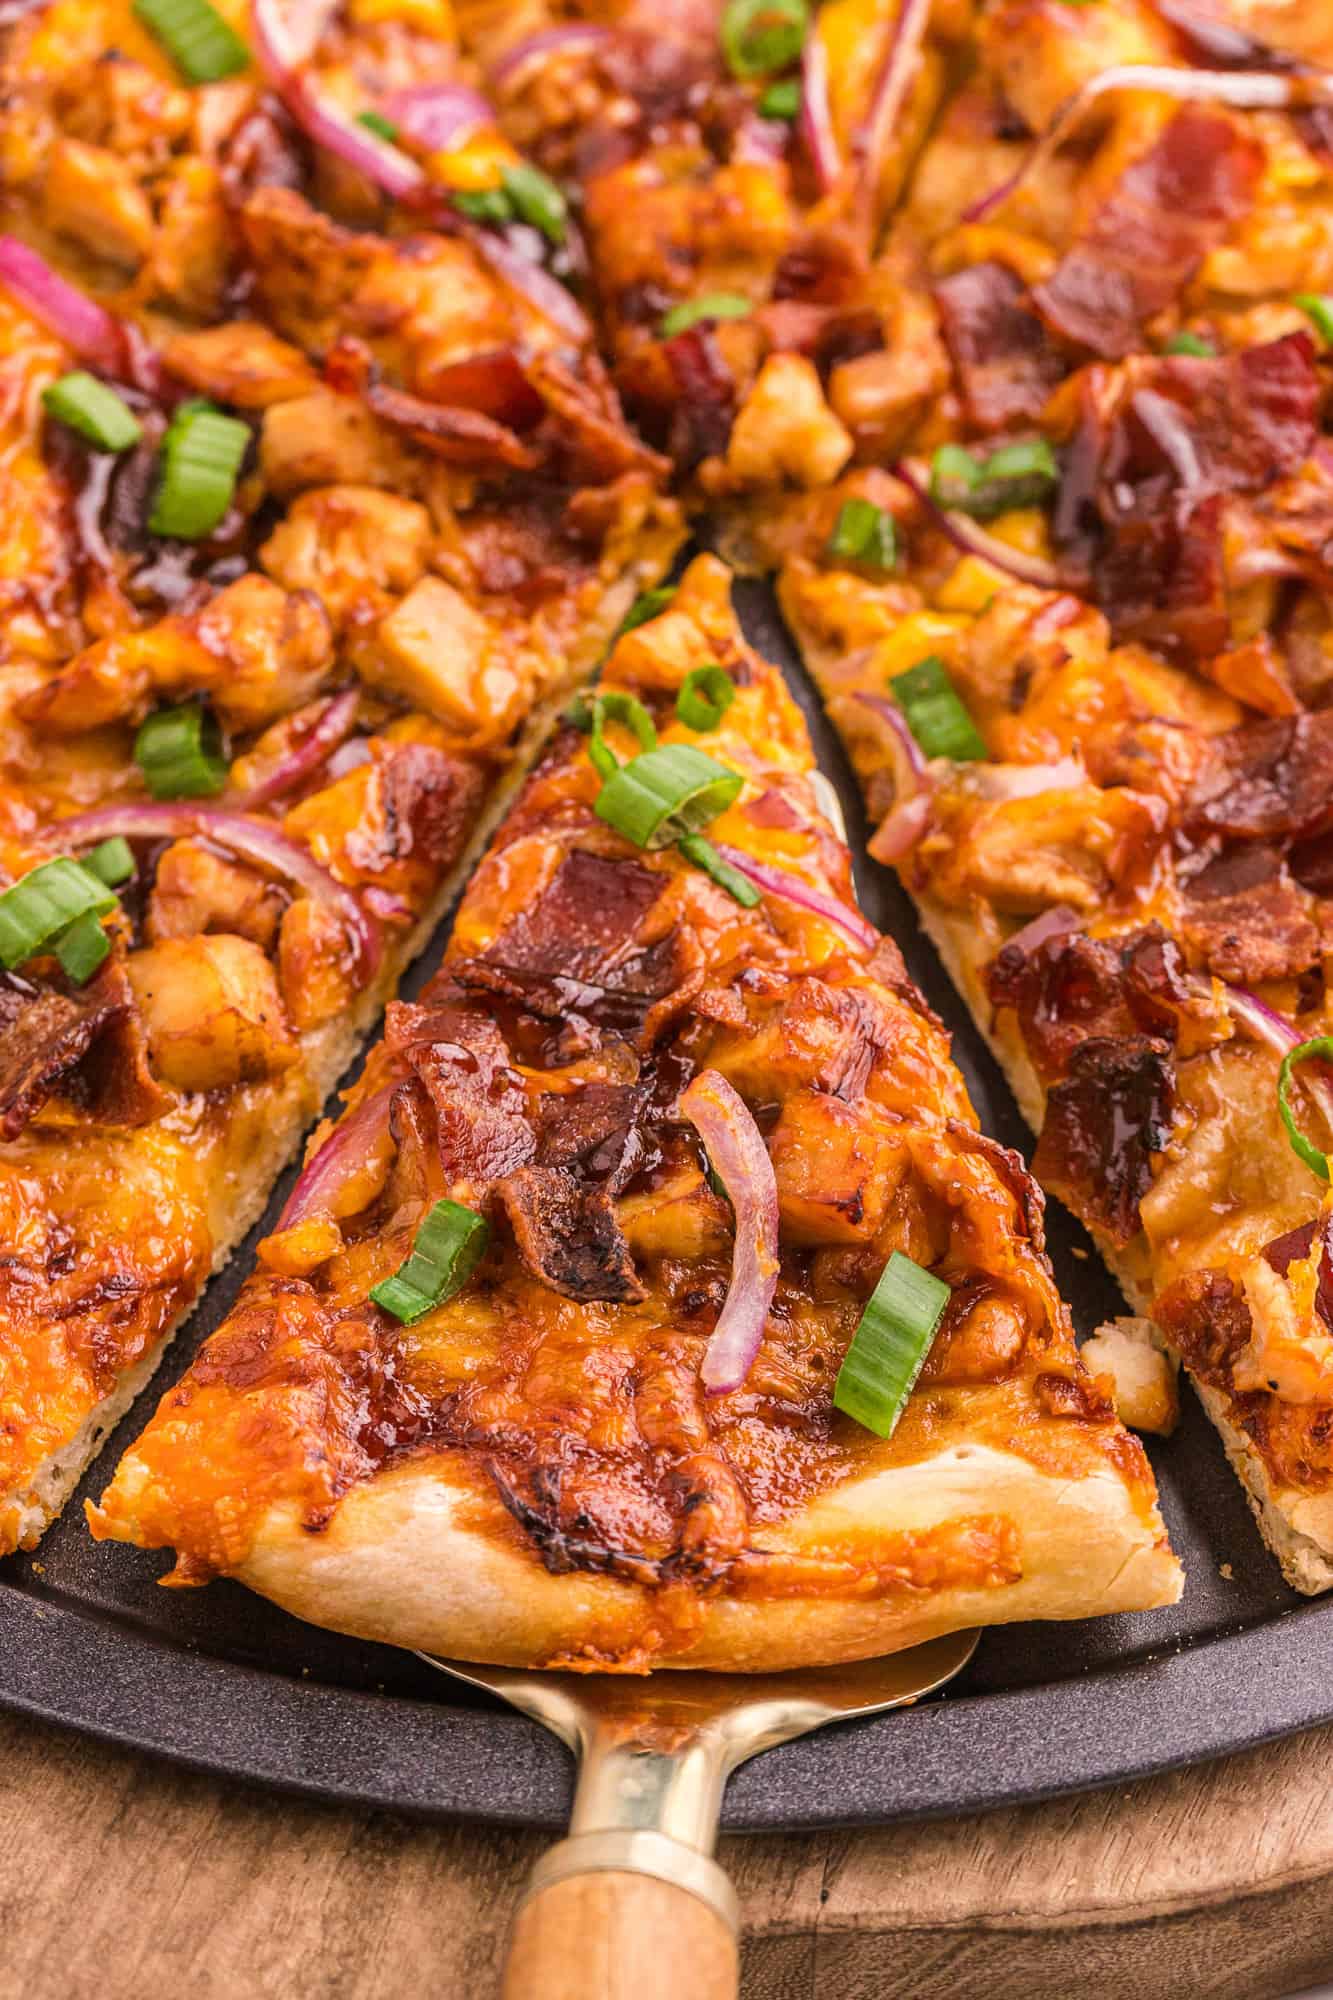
[[223, 1681]]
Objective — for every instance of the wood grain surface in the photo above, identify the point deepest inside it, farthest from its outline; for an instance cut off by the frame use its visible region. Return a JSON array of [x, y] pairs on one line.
[[125, 1879]]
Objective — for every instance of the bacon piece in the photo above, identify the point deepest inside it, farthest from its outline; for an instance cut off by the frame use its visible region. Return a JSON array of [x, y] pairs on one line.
[[1267, 780], [1072, 987], [1104, 1121], [422, 802], [1166, 212], [706, 397], [1000, 350], [1248, 920], [86, 1042], [1143, 500], [1295, 1246], [462, 1058], [568, 1236]]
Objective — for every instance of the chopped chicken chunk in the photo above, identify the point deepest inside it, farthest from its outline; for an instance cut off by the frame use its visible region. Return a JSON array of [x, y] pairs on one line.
[[1134, 1355], [212, 1011]]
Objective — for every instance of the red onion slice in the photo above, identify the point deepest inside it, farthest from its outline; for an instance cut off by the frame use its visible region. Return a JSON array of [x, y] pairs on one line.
[[778, 882], [286, 34], [901, 62], [911, 770], [1027, 781], [1051, 923], [96, 336], [901, 829], [816, 120], [1246, 90], [965, 534], [332, 1166], [436, 116], [314, 749], [535, 284], [281, 47], [562, 40], [1164, 421], [1257, 1018], [253, 840], [740, 1160]]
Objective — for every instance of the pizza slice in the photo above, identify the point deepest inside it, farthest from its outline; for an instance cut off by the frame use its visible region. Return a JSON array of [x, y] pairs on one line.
[[308, 522], [1077, 644], [656, 1301]]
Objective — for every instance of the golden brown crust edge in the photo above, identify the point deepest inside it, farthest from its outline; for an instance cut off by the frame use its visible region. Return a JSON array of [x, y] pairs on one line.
[[1297, 1527], [419, 1558]]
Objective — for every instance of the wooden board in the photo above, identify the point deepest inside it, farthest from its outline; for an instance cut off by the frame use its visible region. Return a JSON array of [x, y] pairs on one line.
[[125, 1879]]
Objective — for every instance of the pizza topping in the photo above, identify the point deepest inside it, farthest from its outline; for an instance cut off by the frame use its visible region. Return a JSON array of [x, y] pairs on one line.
[[180, 752], [707, 310], [1003, 356], [760, 37], [38, 911], [664, 793], [974, 540], [739, 1157], [782, 882], [1267, 780], [203, 46], [96, 412], [702, 854], [888, 1350], [1105, 1120], [1013, 475], [1319, 1049], [95, 335], [87, 1044], [866, 534], [935, 715], [706, 693], [446, 1250], [308, 739], [201, 460], [567, 1234]]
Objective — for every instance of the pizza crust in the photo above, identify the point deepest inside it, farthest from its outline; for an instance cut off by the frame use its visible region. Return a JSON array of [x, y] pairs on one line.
[[420, 1558], [1298, 1527]]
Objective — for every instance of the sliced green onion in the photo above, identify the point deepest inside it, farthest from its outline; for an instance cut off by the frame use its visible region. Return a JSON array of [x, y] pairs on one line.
[[713, 305], [648, 604], [1318, 308], [201, 457], [1017, 475], [485, 205], [1321, 1047], [705, 696], [376, 122], [448, 1247], [892, 1339], [203, 46], [1186, 342], [535, 198], [935, 715], [591, 713], [760, 37], [36, 909], [864, 533], [781, 100], [179, 751], [111, 861], [82, 948], [702, 854], [665, 793], [94, 411]]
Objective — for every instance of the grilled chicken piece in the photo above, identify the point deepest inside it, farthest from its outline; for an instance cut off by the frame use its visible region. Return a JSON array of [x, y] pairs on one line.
[[352, 545], [242, 363], [212, 1011]]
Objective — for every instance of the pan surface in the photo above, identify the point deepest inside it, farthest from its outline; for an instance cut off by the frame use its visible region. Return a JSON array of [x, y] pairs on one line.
[[224, 1681]]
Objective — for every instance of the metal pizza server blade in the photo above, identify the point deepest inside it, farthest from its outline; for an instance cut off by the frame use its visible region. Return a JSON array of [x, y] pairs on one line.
[[632, 1905]]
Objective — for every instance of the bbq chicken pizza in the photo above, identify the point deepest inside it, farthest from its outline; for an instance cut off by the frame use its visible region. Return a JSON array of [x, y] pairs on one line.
[[656, 1301]]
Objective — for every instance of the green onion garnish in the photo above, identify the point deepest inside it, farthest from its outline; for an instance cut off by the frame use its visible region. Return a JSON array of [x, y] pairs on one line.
[[645, 606], [892, 1339], [94, 411], [448, 1247], [35, 910], [376, 122], [705, 696], [201, 457], [935, 715], [590, 713], [1017, 475], [781, 100], [713, 305], [1321, 1047], [702, 854], [111, 861], [864, 533], [1318, 308], [535, 198], [203, 46], [1186, 342], [179, 751], [665, 793], [82, 947], [484, 205], [760, 37]]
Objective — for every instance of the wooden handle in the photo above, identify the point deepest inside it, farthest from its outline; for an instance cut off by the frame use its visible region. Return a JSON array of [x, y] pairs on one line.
[[618, 1934]]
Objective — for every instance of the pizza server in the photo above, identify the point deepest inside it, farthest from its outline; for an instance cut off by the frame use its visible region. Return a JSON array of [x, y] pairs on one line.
[[632, 1905]]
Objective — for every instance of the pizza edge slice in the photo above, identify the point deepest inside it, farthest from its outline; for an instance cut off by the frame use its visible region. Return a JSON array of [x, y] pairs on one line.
[[281, 1110], [1296, 1524], [1004, 1503]]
